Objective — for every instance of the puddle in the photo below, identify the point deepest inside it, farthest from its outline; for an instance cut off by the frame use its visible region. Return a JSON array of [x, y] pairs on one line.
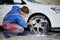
[[39, 35]]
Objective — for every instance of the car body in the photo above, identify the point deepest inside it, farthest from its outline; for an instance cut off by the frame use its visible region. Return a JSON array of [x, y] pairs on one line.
[[52, 12]]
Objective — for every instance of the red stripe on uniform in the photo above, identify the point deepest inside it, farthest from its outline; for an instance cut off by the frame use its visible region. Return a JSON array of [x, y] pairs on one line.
[[4, 25], [13, 28]]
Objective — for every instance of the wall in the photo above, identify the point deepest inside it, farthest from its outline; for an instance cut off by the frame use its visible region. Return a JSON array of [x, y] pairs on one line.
[[57, 2]]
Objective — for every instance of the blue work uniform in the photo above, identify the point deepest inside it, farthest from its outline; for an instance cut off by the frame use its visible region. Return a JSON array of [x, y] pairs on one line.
[[13, 21]]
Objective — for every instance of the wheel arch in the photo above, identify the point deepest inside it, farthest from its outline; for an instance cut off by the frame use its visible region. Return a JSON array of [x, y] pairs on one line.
[[43, 15]]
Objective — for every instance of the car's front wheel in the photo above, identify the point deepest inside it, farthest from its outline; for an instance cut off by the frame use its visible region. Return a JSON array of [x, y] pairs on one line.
[[41, 25]]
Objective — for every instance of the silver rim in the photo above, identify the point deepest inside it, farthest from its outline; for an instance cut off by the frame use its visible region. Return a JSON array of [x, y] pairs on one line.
[[40, 26]]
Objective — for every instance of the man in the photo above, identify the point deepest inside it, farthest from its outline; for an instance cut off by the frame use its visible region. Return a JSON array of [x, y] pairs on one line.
[[13, 21]]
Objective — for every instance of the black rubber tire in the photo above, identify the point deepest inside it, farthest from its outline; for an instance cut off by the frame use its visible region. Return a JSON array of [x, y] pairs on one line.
[[47, 28]]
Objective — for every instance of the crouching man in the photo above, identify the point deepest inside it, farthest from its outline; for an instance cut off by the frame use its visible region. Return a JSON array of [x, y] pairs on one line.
[[13, 21]]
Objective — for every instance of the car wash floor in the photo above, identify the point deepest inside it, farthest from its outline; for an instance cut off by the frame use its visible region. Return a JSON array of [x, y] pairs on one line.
[[53, 36]]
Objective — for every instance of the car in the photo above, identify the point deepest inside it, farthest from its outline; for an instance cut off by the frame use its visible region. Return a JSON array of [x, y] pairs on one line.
[[45, 15]]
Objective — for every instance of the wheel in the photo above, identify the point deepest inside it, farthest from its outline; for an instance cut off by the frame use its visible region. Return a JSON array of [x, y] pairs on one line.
[[41, 25]]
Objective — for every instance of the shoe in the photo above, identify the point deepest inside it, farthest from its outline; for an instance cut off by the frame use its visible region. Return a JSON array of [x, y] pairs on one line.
[[6, 35], [22, 34]]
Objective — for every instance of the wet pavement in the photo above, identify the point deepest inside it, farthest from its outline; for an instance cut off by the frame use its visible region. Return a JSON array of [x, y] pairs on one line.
[[52, 36]]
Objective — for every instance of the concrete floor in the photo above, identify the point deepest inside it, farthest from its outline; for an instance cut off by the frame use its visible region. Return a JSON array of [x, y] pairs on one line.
[[33, 37]]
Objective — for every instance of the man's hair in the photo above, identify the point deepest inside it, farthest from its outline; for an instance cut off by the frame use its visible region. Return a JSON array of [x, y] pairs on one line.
[[25, 9]]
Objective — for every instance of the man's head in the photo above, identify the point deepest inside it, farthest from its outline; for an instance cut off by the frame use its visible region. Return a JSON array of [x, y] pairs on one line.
[[24, 10]]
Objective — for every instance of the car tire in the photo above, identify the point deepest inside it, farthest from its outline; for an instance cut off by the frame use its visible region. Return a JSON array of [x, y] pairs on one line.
[[42, 22]]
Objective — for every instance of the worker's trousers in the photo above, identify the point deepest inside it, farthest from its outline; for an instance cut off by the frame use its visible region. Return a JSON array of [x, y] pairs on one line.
[[12, 27]]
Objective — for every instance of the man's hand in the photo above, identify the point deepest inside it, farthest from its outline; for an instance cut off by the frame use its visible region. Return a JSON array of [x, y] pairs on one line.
[[31, 22]]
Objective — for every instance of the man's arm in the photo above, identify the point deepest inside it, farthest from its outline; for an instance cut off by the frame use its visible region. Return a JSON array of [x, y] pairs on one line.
[[20, 22]]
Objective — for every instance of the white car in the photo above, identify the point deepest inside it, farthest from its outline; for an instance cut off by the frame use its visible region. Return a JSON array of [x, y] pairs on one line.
[[45, 16]]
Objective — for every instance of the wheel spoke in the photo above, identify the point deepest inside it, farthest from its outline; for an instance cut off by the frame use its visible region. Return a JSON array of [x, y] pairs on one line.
[[34, 31], [38, 30]]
